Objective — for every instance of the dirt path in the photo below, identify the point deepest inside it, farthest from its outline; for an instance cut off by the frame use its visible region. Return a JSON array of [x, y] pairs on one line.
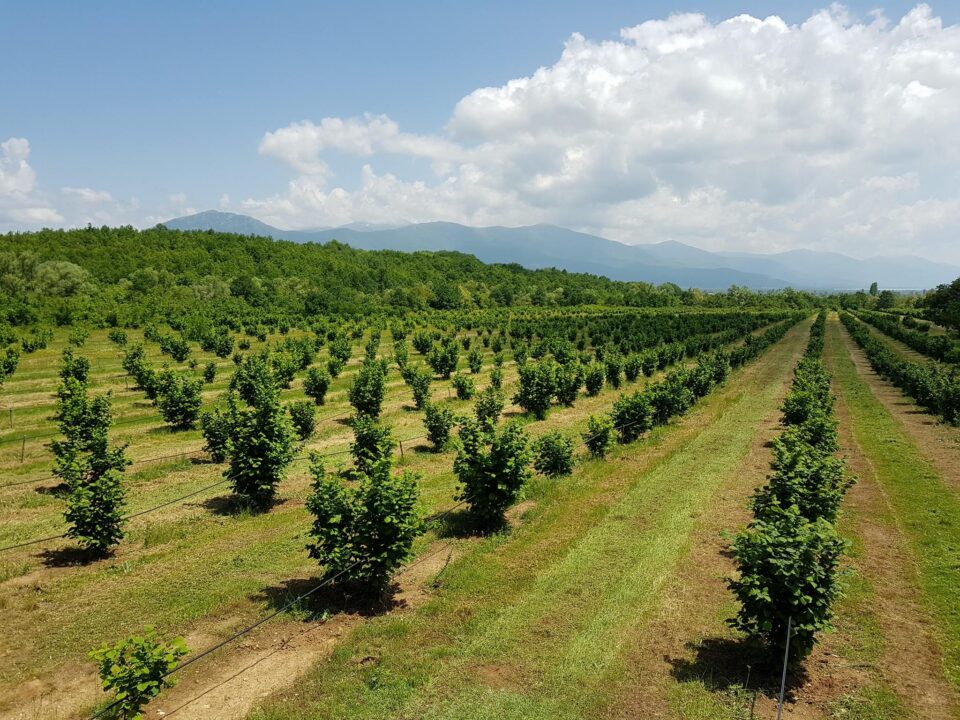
[[910, 659], [938, 442]]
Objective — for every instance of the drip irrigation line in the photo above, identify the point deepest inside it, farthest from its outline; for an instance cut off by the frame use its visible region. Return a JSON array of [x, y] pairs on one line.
[[300, 598]]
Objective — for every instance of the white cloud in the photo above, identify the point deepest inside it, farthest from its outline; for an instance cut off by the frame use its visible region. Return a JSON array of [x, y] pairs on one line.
[[20, 202], [88, 196], [743, 134]]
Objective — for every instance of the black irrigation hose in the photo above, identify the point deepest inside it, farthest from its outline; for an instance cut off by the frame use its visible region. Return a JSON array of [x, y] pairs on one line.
[[300, 598]]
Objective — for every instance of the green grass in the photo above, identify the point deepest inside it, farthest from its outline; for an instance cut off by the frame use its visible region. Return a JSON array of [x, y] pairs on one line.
[[925, 509]]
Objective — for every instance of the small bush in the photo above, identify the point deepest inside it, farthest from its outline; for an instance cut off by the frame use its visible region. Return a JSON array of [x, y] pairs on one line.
[[488, 406], [209, 372], [74, 366], [553, 454], [496, 378], [419, 379], [303, 416], [537, 387], [568, 382], [475, 360], [369, 387], [135, 670], [372, 442], [599, 435], [362, 533], [439, 421], [316, 383], [443, 357], [464, 386], [117, 337], [593, 378], [632, 416], [492, 467], [179, 400], [216, 425]]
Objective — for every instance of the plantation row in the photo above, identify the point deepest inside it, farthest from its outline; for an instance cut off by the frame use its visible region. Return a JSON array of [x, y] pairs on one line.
[[366, 517], [935, 387], [788, 555], [938, 347]]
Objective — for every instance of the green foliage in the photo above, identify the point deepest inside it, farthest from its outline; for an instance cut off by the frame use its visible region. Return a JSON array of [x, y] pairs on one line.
[[135, 670], [262, 441], [316, 383], [438, 421], [37, 340], [488, 406], [78, 336], [443, 357], [364, 531], [632, 416], [475, 360], [419, 379], [373, 443], [613, 369], [179, 400], [671, 396], [303, 415], [117, 337], [91, 469], [787, 569], [340, 350], [599, 435], [74, 366], [593, 378], [569, 380], [496, 377], [9, 363], [216, 426], [463, 386], [369, 387], [538, 383], [553, 454], [492, 466], [633, 366]]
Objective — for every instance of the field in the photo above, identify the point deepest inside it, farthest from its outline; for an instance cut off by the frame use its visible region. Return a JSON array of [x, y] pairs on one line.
[[603, 596]]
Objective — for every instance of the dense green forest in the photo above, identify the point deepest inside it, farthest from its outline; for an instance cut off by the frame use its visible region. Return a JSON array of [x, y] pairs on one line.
[[127, 277]]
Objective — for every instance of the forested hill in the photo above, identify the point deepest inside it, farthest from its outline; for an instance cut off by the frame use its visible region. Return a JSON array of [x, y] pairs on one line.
[[132, 276]]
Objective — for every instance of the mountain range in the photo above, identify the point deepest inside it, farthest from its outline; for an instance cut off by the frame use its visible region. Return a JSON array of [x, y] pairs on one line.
[[540, 246]]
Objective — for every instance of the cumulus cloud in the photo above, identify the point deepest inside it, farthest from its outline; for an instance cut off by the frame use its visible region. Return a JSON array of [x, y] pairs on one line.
[[20, 202], [747, 134]]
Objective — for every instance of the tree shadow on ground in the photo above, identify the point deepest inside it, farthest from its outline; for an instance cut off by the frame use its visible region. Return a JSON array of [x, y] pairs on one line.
[[461, 523], [727, 664], [71, 556], [305, 599], [59, 490], [229, 505]]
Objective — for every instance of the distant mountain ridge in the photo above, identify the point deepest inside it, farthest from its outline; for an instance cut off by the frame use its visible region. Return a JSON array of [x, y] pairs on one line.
[[540, 246]]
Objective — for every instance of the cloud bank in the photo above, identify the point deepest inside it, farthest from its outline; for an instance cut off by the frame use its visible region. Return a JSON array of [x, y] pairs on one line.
[[747, 134]]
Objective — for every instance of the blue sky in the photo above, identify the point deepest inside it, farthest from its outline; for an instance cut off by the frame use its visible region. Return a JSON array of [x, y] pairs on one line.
[[149, 101]]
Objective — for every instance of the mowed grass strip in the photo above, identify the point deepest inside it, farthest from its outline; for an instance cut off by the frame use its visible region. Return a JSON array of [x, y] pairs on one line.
[[925, 508], [532, 624]]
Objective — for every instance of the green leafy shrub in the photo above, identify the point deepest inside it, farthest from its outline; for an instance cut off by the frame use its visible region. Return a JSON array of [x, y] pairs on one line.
[[303, 415], [569, 380], [537, 386], [464, 386], [364, 531], [593, 378], [369, 387], [419, 379], [496, 378], [488, 406], [599, 435], [209, 372], [373, 442], [632, 416], [179, 400], [439, 421], [91, 469], [553, 454], [788, 569], [492, 466], [117, 337], [475, 360], [632, 367], [316, 383], [74, 366], [443, 357], [216, 426], [135, 670], [261, 446], [613, 369]]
